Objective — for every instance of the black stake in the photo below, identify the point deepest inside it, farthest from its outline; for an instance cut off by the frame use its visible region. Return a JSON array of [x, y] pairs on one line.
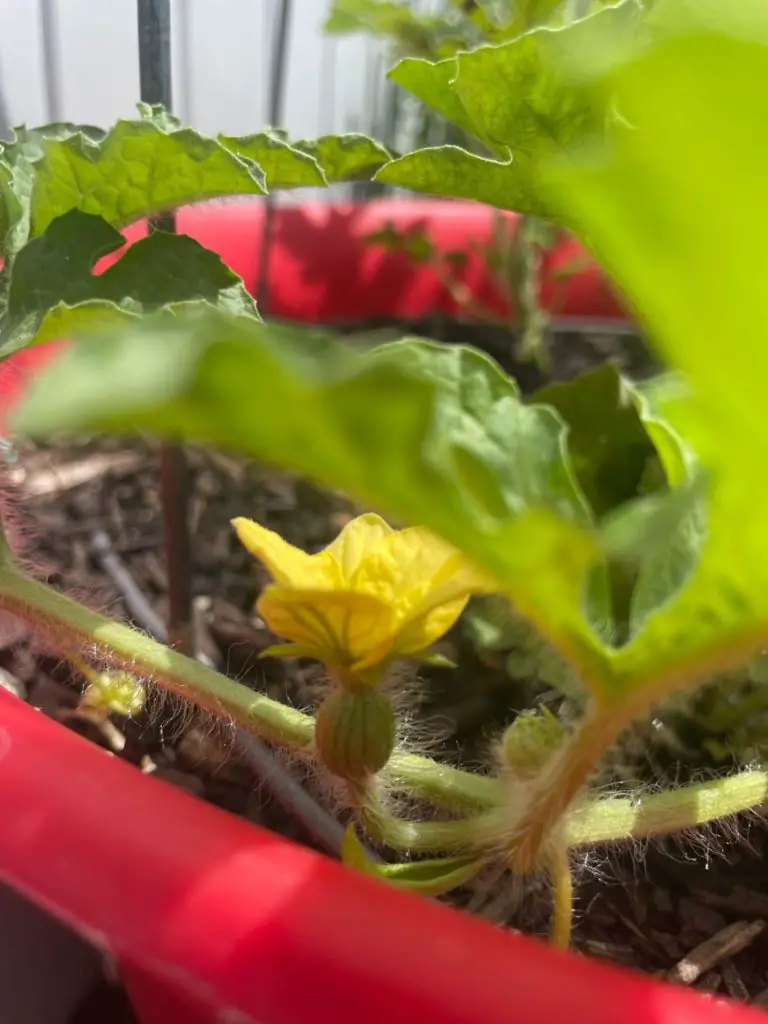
[[275, 104], [154, 21], [51, 63]]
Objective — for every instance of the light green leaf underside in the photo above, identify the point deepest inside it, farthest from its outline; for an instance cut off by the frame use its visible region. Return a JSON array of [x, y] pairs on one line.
[[675, 207]]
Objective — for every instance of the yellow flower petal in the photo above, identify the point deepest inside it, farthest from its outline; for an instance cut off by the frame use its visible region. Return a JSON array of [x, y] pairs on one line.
[[411, 566], [374, 592], [423, 630], [356, 541], [287, 565], [341, 626]]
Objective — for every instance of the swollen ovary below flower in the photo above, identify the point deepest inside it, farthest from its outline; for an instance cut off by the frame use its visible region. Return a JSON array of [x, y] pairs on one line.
[[373, 594]]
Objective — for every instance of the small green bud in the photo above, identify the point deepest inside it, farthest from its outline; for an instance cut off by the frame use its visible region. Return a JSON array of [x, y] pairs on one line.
[[528, 743], [355, 732], [115, 693]]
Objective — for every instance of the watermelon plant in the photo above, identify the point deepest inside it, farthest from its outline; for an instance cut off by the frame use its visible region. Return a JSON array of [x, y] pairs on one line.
[[622, 522]]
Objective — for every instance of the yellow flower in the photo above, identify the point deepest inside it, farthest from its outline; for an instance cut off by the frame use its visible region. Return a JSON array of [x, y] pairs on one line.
[[373, 594]]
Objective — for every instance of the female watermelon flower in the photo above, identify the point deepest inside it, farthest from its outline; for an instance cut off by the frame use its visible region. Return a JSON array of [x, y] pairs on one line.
[[372, 595]]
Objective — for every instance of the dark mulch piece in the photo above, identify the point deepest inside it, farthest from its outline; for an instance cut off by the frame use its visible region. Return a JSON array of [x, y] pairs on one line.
[[698, 923]]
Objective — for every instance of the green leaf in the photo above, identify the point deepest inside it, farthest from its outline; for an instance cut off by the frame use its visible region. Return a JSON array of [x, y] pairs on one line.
[[406, 29], [136, 169], [617, 431], [436, 435], [283, 165], [53, 288], [432, 83], [452, 171], [152, 164], [516, 98], [434, 659], [287, 651], [427, 877], [669, 530], [607, 441], [349, 157], [693, 137]]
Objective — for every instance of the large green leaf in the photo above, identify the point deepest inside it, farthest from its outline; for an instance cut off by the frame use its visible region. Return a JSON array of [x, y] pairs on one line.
[[137, 169], [432, 434], [516, 98], [53, 287], [152, 164], [675, 206]]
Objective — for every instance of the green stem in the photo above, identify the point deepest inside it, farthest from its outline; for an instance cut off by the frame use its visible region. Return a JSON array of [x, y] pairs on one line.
[[457, 836], [438, 783], [561, 880], [70, 625], [552, 793], [614, 818]]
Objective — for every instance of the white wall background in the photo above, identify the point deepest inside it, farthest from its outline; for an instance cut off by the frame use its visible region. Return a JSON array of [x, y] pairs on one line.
[[221, 65]]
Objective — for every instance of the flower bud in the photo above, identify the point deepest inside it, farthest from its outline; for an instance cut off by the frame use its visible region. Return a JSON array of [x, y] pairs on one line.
[[528, 743], [116, 693], [355, 732]]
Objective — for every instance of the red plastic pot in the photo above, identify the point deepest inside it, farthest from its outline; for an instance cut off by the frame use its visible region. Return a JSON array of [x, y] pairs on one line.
[[209, 919]]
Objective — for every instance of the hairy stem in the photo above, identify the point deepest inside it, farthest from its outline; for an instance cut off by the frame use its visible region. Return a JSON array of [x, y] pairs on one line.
[[553, 792], [614, 818], [561, 880], [368, 800], [70, 625]]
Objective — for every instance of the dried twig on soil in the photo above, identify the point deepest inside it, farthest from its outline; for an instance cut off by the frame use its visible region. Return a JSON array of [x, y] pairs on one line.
[[734, 982], [726, 943]]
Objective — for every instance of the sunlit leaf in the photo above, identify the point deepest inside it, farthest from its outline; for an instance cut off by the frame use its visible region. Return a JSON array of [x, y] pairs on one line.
[[675, 206], [432, 83], [136, 169], [152, 164], [349, 157], [517, 100], [53, 288], [283, 165]]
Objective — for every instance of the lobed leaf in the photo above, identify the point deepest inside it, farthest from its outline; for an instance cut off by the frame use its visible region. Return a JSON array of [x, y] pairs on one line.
[[137, 169], [283, 165], [651, 202], [350, 157], [153, 164], [53, 289], [516, 99]]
